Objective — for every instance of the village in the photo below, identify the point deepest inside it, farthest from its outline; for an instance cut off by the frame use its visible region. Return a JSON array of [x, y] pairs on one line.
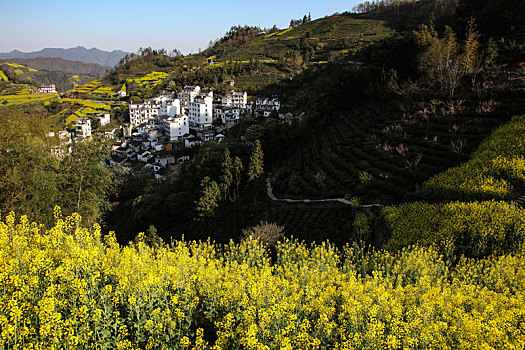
[[160, 129]]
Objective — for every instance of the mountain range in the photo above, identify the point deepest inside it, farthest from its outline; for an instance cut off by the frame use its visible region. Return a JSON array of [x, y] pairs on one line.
[[79, 53]]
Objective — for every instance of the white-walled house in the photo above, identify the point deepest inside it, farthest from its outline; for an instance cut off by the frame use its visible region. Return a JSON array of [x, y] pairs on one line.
[[103, 118], [141, 112], [267, 104], [201, 111], [175, 127], [235, 99], [187, 95], [47, 89], [170, 107], [83, 127]]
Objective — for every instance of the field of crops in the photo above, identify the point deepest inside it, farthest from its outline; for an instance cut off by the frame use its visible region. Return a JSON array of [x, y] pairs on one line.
[[9, 100], [95, 89], [86, 108], [375, 157], [19, 66], [495, 170], [70, 287], [149, 80]]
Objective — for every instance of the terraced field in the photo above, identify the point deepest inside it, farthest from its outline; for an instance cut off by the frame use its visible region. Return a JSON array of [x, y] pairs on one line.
[[86, 108], [149, 80], [332, 36], [311, 223], [375, 157], [20, 99]]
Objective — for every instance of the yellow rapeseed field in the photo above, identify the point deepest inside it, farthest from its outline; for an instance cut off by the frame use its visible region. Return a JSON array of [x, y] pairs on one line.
[[70, 287]]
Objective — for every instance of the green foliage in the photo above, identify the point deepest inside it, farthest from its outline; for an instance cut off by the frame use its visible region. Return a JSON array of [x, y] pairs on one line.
[[209, 200], [86, 184], [255, 167], [35, 180], [474, 229], [495, 170]]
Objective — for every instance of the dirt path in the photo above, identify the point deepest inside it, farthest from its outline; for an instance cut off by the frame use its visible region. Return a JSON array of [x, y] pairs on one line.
[[269, 192]]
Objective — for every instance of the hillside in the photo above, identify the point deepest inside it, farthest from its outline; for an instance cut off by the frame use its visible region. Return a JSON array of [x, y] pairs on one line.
[[79, 53], [60, 64], [19, 73], [325, 39]]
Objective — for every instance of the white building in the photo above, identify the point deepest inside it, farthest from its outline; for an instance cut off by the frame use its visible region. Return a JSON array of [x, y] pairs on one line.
[[170, 107], [267, 104], [188, 94], [83, 127], [175, 127], [201, 111], [103, 118], [235, 99], [141, 112], [47, 89]]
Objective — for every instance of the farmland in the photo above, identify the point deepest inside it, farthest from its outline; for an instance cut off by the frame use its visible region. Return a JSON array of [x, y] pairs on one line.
[[376, 158], [20, 99]]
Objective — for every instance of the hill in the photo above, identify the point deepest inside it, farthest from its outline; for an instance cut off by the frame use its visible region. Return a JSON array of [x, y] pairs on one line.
[[79, 53], [61, 65], [18, 73]]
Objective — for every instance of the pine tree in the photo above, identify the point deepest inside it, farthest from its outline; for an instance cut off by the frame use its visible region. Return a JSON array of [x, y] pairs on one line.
[[209, 200], [227, 175], [255, 167], [237, 178]]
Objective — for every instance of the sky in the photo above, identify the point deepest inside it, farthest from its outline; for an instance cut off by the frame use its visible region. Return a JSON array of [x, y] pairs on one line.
[[31, 25]]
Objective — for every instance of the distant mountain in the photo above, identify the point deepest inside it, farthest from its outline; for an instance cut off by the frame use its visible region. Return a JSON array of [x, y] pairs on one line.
[[62, 65], [79, 53]]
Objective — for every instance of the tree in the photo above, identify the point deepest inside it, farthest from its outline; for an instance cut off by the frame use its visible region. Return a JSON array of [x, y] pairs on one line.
[[209, 200], [227, 174], [470, 59], [255, 167], [237, 178], [267, 233], [29, 172], [85, 184]]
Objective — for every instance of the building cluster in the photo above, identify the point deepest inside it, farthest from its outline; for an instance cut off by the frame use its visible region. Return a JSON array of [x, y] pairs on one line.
[[172, 121], [82, 131], [47, 89], [191, 114], [83, 126]]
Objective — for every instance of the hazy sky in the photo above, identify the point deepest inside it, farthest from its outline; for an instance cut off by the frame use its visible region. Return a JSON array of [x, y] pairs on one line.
[[30, 25]]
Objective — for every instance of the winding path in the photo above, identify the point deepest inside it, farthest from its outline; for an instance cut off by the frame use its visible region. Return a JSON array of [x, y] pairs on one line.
[[269, 192]]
